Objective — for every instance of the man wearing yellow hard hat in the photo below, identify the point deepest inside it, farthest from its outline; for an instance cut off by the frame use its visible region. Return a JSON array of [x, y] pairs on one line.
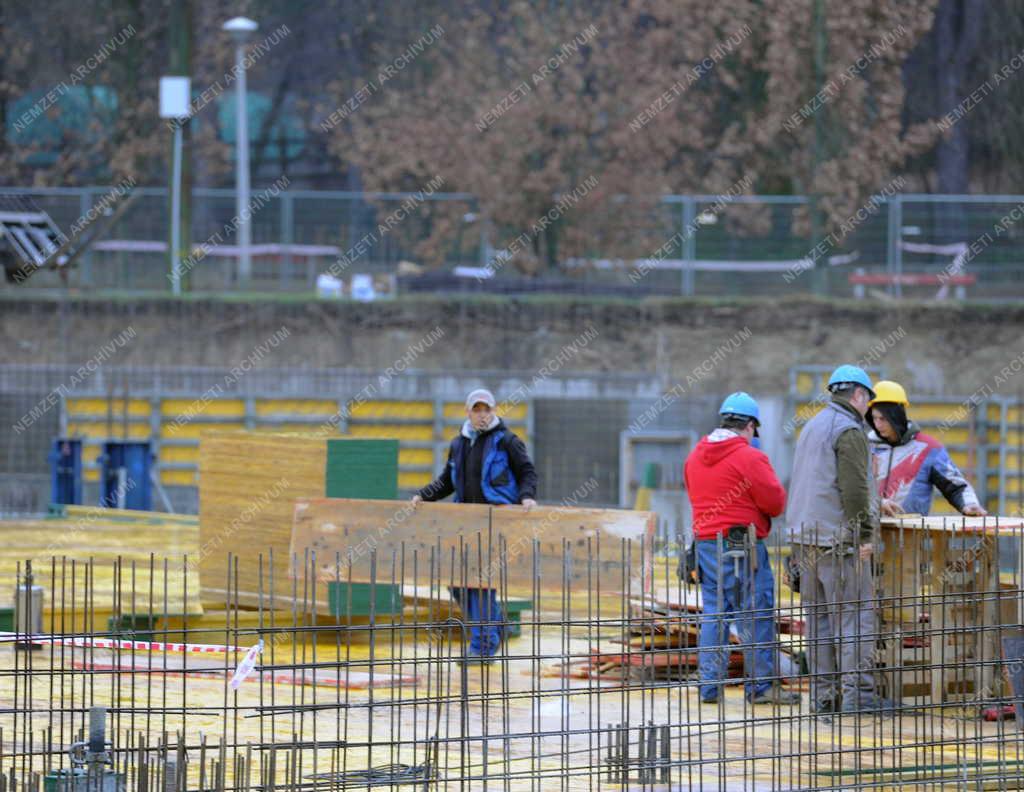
[[908, 463]]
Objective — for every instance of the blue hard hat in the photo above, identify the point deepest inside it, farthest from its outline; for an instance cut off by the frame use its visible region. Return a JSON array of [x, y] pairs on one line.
[[740, 403], [855, 374]]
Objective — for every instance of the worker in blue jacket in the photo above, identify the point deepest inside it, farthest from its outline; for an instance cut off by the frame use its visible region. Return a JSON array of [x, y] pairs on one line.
[[487, 463]]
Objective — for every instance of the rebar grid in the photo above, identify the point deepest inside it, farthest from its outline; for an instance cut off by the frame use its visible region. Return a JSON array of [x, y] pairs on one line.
[[600, 690]]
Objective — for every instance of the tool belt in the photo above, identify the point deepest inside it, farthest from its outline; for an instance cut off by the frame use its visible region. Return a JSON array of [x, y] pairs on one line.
[[689, 571], [737, 539]]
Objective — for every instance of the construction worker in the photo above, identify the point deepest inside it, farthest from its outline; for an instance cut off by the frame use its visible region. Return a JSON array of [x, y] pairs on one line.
[[831, 517], [487, 463], [731, 486], [908, 463]]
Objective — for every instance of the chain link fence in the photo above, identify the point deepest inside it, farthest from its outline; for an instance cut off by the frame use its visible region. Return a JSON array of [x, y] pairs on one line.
[[922, 246]]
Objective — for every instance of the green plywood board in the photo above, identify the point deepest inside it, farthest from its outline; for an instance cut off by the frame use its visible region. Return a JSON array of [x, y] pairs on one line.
[[359, 599], [362, 468], [514, 608], [135, 627]]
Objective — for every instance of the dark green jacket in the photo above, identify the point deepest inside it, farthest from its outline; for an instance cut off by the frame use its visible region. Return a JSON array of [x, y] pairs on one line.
[[853, 475]]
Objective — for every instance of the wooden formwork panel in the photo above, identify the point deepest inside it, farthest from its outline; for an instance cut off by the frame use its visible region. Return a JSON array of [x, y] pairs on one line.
[[473, 545], [939, 585], [248, 484]]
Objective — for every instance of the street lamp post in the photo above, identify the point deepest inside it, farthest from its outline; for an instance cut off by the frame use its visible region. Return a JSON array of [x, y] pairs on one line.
[[241, 29]]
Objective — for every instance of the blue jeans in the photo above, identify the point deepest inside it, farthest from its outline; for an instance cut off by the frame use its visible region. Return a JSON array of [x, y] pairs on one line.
[[484, 615], [753, 612]]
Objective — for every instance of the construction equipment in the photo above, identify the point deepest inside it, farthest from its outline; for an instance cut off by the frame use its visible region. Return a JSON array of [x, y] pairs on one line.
[[741, 404], [28, 611], [89, 771], [851, 373], [30, 240], [31, 237], [125, 475], [889, 391], [66, 471]]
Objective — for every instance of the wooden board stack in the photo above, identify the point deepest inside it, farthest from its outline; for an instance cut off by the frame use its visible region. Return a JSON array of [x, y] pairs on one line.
[[111, 551]]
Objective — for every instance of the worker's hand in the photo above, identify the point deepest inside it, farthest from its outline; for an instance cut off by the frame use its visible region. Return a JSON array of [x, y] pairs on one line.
[[416, 500], [528, 503], [865, 551], [891, 507], [975, 511]]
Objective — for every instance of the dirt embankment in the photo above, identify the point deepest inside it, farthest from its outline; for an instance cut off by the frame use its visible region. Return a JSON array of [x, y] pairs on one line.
[[714, 345]]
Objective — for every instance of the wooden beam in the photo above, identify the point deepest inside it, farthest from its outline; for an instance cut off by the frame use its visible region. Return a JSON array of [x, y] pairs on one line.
[[1010, 526]]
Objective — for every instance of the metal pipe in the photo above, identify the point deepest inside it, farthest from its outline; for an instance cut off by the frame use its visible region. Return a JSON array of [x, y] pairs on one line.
[[176, 213], [242, 168]]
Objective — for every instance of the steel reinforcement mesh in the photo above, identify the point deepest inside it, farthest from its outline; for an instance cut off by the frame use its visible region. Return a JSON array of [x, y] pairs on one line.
[[333, 680]]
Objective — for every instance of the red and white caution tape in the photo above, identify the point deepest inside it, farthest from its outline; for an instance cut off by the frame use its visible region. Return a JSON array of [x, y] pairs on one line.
[[246, 666], [353, 680], [118, 643]]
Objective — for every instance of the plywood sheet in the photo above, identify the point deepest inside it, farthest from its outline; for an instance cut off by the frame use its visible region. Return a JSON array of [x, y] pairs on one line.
[[248, 483], [367, 540], [581, 541], [475, 545]]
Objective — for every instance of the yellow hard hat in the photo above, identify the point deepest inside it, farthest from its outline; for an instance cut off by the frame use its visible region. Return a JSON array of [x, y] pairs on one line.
[[889, 391]]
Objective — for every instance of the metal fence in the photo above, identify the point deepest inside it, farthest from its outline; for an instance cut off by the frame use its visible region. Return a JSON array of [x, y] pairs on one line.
[[555, 415], [580, 427], [928, 246]]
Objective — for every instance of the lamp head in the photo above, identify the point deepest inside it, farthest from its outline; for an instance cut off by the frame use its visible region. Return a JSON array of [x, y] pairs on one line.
[[240, 28]]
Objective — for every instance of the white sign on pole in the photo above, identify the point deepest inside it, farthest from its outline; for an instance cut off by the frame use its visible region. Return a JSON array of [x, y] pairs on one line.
[[175, 97]]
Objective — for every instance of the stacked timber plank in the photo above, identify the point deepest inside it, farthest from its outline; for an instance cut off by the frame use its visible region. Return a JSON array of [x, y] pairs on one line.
[[248, 485], [94, 562], [660, 642]]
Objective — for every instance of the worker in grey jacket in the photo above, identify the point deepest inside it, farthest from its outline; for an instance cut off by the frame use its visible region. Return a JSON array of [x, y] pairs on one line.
[[831, 517]]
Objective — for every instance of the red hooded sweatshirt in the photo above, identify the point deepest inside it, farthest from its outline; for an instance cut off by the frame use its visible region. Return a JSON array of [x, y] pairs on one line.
[[731, 483]]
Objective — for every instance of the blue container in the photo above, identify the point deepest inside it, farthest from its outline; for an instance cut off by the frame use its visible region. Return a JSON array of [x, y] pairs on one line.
[[66, 471], [124, 475]]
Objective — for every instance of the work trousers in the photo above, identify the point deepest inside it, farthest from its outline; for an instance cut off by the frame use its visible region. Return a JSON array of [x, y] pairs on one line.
[[749, 600], [484, 616], [840, 605]]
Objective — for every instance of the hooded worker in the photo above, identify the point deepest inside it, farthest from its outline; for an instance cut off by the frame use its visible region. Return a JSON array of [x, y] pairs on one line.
[[908, 463], [731, 486]]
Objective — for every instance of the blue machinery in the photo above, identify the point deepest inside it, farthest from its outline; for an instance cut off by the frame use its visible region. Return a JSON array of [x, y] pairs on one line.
[[124, 475], [125, 466], [66, 471]]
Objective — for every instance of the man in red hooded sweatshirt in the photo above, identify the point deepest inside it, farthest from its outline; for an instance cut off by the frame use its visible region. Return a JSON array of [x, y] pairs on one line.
[[731, 483]]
